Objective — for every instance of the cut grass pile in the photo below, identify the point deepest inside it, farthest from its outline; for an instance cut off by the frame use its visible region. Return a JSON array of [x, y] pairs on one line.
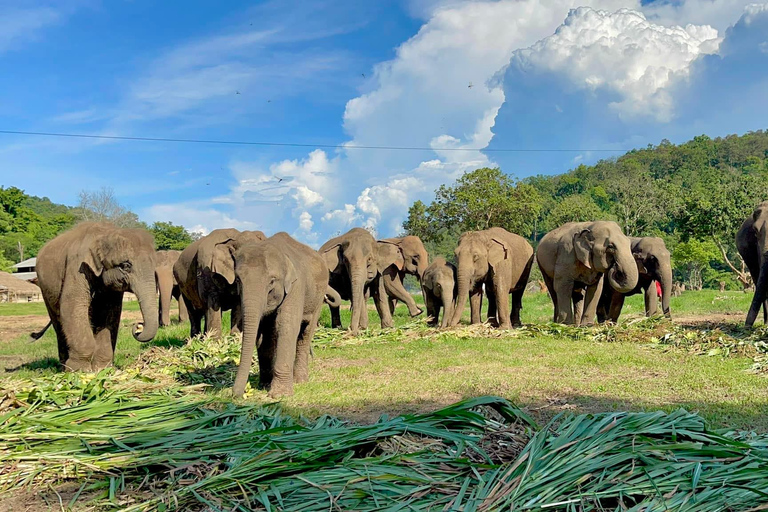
[[149, 449]]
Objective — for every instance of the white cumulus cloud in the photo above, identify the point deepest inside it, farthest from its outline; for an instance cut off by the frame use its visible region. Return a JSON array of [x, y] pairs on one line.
[[624, 53]]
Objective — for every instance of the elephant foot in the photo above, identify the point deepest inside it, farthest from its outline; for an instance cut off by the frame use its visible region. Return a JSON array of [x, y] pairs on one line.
[[78, 365], [279, 391], [416, 312]]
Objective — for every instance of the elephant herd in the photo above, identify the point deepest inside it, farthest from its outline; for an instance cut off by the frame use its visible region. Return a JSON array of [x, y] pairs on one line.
[[275, 287]]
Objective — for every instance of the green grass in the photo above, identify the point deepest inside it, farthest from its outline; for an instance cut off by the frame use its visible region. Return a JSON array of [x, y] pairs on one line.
[[547, 372]]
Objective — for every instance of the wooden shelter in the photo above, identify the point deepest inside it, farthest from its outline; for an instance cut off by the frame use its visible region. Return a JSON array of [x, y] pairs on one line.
[[18, 290]]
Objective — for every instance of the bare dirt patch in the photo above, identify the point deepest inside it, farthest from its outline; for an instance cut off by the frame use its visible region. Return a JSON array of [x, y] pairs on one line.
[[13, 327]]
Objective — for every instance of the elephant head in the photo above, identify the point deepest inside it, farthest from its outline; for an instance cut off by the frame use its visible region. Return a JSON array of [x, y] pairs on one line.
[[477, 253], [407, 254], [653, 260], [124, 261], [216, 254], [265, 277], [604, 248]]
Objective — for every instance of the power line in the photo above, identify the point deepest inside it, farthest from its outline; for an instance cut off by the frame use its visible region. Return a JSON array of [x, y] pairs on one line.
[[300, 145]]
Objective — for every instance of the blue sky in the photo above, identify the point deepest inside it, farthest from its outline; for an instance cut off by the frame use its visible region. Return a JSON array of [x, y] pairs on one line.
[[450, 75]]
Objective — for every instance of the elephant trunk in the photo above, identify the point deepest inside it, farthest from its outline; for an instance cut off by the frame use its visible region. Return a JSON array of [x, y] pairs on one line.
[[666, 288], [359, 307], [146, 293], [165, 288], [622, 276], [449, 301], [464, 278], [253, 310]]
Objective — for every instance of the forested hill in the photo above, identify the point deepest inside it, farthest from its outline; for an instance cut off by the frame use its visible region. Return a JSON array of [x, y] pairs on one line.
[[694, 195], [28, 222]]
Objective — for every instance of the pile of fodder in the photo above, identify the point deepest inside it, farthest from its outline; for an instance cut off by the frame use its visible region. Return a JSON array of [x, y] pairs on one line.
[[131, 445]]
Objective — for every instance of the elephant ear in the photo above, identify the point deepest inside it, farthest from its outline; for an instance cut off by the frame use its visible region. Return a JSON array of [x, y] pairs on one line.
[[291, 275], [583, 242], [220, 259], [498, 251], [389, 253], [106, 251]]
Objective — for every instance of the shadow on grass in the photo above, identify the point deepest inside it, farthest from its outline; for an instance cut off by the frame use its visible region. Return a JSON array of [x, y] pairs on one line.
[[46, 363]]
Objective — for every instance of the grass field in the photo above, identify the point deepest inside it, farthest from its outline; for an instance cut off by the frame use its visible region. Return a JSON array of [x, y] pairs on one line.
[[703, 361]]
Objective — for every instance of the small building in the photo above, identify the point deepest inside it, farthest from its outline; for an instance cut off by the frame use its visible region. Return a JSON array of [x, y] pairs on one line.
[[26, 271], [17, 290]]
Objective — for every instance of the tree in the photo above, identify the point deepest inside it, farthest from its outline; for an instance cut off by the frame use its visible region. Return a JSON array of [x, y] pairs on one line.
[[691, 258], [578, 208], [169, 236], [103, 206]]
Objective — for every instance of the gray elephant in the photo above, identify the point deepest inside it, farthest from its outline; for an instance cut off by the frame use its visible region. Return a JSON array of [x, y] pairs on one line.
[[352, 260], [396, 258], [752, 244], [83, 274], [283, 285], [573, 259], [438, 285], [167, 286], [205, 272], [502, 262], [653, 264]]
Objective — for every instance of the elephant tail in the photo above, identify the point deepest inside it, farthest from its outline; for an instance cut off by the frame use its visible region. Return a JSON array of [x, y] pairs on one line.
[[332, 297], [39, 334]]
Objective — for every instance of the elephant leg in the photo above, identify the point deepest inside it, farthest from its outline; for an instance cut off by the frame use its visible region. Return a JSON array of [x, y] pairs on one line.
[[236, 318], [432, 310], [501, 294], [213, 318], [165, 302], [475, 304], [617, 303], [563, 290], [106, 322], [303, 346], [335, 318], [577, 298], [765, 312], [492, 313], [266, 351], [195, 319], [393, 284], [550, 284], [517, 305], [287, 329], [591, 298], [76, 324], [392, 305], [382, 304], [651, 300], [183, 313]]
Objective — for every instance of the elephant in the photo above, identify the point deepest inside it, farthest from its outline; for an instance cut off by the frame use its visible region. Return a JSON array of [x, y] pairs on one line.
[[438, 284], [167, 286], [82, 274], [653, 264], [502, 262], [752, 244], [283, 284], [352, 263], [573, 259], [397, 257], [205, 272]]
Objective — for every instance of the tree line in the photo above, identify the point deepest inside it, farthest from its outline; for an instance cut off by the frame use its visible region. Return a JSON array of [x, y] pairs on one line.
[[694, 195], [28, 222]]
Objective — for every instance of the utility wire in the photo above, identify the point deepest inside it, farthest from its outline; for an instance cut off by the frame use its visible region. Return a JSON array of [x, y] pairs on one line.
[[300, 145]]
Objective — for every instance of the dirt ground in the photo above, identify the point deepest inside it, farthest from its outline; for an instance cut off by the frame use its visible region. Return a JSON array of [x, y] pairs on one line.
[[14, 327]]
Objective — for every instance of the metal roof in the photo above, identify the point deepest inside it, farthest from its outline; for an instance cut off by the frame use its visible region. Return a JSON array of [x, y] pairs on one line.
[[30, 262]]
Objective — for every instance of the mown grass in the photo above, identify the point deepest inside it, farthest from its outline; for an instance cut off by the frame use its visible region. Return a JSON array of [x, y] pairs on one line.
[[546, 372]]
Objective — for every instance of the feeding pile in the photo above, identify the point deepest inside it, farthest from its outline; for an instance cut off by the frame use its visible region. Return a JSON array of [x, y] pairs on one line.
[[150, 448]]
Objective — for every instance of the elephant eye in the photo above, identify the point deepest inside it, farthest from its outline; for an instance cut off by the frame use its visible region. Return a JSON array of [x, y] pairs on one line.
[[126, 265], [611, 249]]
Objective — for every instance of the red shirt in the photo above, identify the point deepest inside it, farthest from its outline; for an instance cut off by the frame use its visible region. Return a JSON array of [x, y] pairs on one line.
[[658, 288]]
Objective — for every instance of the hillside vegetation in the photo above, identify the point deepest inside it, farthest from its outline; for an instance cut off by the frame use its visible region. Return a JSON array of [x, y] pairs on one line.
[[694, 195]]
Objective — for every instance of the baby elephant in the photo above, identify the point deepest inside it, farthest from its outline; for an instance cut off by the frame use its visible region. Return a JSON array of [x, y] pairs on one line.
[[439, 286], [282, 285]]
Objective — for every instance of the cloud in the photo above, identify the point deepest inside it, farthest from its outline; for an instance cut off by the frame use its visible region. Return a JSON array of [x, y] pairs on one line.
[[621, 52], [18, 24], [195, 218]]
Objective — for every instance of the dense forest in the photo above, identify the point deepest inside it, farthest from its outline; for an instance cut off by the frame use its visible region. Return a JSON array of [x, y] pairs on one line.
[[28, 222], [694, 195]]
